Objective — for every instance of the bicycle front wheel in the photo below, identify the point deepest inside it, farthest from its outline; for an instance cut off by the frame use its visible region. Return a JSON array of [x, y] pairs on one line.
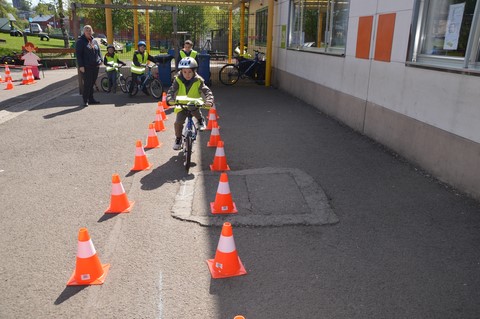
[[229, 74], [122, 82], [104, 83], [188, 150], [156, 88]]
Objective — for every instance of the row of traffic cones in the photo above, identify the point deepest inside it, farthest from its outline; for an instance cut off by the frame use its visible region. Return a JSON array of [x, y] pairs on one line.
[[27, 77], [88, 268], [226, 263]]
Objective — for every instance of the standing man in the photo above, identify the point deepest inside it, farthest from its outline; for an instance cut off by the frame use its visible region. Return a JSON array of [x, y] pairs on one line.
[[187, 51], [89, 60], [139, 62]]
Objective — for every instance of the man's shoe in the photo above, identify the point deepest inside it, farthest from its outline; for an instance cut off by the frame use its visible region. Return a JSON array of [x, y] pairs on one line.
[[94, 102], [85, 104], [178, 144], [201, 125]]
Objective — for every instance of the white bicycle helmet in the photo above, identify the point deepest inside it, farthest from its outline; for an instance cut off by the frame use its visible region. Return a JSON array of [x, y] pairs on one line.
[[188, 63]]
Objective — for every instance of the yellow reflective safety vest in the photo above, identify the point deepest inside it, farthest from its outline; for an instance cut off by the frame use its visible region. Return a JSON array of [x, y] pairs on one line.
[[194, 91], [193, 54], [142, 60], [111, 66]]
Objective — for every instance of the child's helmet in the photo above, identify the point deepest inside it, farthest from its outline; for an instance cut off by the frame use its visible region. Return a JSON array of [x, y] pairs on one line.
[[188, 63], [110, 46], [142, 43]]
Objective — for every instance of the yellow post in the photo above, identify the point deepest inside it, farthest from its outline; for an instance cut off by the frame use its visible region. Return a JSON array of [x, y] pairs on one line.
[[108, 22], [135, 25], [320, 28], [230, 35], [242, 27], [268, 64], [147, 29]]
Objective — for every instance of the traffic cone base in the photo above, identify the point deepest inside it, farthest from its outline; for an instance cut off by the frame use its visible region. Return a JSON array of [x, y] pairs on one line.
[[223, 209], [216, 275], [212, 168], [98, 281]]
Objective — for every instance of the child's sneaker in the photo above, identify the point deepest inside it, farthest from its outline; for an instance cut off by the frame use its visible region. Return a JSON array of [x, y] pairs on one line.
[[201, 125], [178, 144]]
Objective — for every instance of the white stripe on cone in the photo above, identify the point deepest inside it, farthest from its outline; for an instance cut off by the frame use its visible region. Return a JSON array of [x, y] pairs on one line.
[[223, 188], [226, 244], [220, 152], [85, 249], [117, 189], [212, 117], [139, 151]]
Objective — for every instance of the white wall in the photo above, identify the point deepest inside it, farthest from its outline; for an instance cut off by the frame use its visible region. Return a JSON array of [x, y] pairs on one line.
[[445, 100]]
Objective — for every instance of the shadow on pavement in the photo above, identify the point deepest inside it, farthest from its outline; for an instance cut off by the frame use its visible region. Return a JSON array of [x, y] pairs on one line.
[[170, 172], [67, 293]]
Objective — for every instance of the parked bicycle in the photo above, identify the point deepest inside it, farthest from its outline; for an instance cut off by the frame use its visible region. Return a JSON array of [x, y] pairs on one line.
[[121, 81], [190, 130], [244, 68], [148, 81]]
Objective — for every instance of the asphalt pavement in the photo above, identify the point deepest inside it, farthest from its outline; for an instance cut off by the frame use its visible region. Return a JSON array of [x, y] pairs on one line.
[[330, 223]]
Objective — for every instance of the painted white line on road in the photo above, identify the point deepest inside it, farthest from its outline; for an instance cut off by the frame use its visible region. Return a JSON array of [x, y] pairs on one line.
[[160, 299]]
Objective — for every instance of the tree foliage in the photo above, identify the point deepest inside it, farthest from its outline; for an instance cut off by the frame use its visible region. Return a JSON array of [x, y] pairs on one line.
[[6, 7]]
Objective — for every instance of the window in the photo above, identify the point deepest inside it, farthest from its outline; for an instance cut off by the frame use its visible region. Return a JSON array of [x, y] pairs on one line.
[[261, 18], [318, 25], [445, 33]]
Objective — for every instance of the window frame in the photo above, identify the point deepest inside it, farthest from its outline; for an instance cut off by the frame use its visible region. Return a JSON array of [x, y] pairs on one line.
[[326, 46], [471, 59], [261, 14]]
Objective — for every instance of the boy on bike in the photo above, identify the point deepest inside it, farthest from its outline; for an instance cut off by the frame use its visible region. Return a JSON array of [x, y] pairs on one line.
[[139, 61], [188, 83], [111, 60]]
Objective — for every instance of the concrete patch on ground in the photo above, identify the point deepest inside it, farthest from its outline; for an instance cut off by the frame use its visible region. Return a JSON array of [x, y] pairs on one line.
[[263, 197]]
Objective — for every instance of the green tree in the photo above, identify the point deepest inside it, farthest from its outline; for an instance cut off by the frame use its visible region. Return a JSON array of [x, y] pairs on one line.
[[6, 7]]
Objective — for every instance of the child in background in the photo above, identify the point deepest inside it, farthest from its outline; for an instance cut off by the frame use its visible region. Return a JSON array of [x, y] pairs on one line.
[[112, 61]]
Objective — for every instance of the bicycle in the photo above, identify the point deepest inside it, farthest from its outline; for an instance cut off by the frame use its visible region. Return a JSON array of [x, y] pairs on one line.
[[121, 81], [150, 82], [190, 130], [243, 68]]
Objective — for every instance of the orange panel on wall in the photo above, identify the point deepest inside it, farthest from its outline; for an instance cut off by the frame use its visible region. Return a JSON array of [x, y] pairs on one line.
[[364, 37], [383, 44]]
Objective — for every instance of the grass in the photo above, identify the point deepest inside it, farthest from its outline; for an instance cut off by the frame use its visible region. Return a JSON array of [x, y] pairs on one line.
[[14, 44]]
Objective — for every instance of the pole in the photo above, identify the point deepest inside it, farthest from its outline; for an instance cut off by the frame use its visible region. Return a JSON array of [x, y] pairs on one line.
[[230, 35], [135, 25], [108, 22], [268, 65], [242, 27], [147, 29]]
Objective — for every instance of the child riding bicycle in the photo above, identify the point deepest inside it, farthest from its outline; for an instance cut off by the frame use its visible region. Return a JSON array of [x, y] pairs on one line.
[[188, 83], [139, 61], [111, 62]]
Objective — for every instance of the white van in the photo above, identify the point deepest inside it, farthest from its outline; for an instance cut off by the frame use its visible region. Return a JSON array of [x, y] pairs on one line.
[[35, 27]]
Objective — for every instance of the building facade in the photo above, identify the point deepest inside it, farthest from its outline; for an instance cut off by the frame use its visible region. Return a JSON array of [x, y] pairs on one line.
[[405, 73]]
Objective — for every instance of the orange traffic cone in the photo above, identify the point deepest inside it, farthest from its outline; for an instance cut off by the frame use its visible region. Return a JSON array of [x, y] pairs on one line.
[[24, 77], [88, 269], [7, 73], [239, 317], [141, 161], [119, 202], [162, 112], [1, 80], [159, 126], [9, 85], [226, 262], [220, 160], [152, 139], [164, 101], [30, 78], [212, 118], [223, 200], [214, 136]]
